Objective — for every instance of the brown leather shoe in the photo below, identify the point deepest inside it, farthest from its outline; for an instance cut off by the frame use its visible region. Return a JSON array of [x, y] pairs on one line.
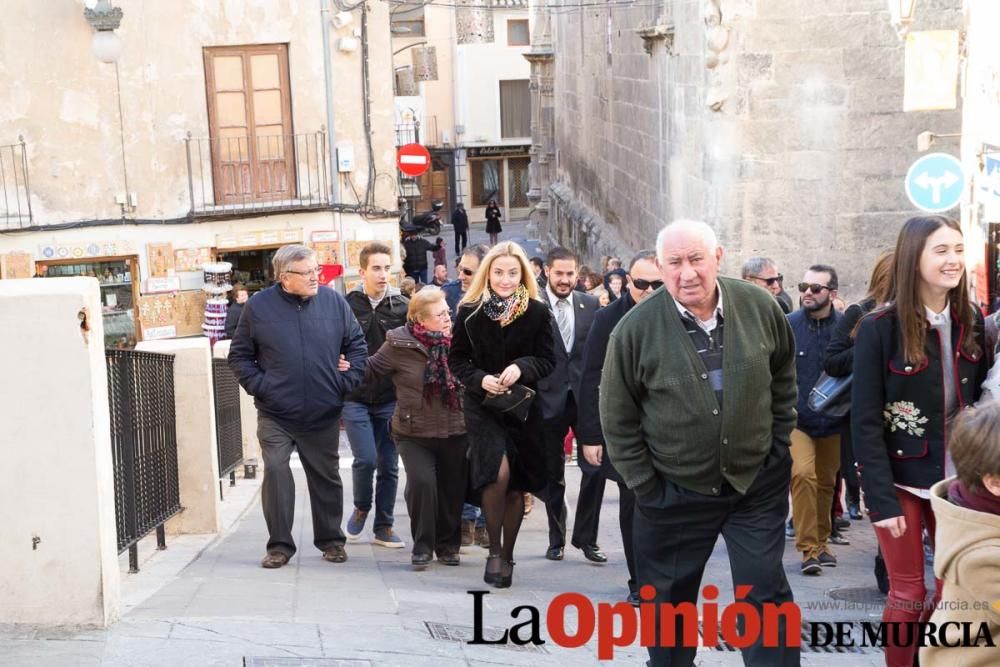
[[482, 538], [273, 560], [335, 554]]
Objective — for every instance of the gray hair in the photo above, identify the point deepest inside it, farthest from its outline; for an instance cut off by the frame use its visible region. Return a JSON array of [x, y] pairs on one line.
[[288, 255], [756, 265], [696, 227]]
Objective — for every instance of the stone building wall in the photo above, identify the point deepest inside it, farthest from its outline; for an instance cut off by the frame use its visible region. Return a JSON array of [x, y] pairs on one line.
[[793, 144]]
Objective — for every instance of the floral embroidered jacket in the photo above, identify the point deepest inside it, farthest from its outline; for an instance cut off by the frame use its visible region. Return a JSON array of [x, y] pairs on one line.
[[898, 409]]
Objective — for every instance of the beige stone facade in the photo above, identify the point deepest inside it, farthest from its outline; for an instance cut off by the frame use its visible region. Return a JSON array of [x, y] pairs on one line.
[[130, 157], [779, 122]]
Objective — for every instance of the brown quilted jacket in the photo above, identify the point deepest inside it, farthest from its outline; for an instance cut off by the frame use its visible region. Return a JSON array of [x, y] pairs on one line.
[[404, 359]]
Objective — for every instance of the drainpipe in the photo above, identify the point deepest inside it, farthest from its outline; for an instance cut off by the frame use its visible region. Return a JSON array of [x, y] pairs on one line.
[[331, 132]]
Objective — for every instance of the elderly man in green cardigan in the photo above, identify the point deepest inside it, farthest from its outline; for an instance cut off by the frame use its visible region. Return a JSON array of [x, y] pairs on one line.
[[697, 404]]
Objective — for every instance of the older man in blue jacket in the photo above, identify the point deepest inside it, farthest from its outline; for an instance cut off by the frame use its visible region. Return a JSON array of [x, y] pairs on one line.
[[285, 352]]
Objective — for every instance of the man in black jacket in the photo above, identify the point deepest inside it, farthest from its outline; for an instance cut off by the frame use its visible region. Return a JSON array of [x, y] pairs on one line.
[[379, 307], [460, 221], [415, 264], [642, 280], [285, 352]]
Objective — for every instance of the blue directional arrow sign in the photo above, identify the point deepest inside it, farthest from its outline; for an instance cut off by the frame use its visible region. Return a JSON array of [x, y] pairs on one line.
[[935, 183]]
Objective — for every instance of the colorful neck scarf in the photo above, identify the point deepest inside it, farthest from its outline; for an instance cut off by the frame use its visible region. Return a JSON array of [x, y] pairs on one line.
[[438, 379], [506, 310]]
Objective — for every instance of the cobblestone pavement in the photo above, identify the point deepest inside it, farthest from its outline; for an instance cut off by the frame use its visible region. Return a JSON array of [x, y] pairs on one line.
[[221, 608]]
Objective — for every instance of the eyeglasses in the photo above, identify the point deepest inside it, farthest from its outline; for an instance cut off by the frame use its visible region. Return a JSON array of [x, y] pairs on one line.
[[466, 272], [304, 274], [444, 314], [815, 288], [643, 285], [775, 280]]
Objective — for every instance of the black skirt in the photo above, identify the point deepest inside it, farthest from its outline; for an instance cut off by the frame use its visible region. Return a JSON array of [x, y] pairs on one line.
[[493, 435]]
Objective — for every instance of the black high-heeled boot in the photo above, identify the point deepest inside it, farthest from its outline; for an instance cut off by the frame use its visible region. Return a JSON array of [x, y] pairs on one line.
[[491, 577], [505, 580]]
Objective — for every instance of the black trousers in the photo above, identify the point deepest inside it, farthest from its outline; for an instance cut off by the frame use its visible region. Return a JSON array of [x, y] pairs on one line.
[[435, 491], [463, 236], [588, 504], [676, 530], [321, 462]]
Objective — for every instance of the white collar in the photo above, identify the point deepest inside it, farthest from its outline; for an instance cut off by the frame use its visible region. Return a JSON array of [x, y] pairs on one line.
[[718, 308], [944, 317], [553, 299]]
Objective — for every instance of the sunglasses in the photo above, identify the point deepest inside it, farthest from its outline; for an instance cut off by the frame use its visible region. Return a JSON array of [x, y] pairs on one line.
[[815, 288], [643, 285], [467, 272], [776, 280]]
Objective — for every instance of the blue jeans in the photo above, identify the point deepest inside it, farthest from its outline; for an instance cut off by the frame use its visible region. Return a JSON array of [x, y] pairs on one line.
[[473, 513], [374, 455]]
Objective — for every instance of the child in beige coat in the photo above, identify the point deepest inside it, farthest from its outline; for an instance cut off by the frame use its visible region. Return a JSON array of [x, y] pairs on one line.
[[967, 554]]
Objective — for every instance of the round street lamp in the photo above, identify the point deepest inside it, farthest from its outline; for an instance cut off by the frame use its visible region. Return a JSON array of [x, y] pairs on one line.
[[104, 19]]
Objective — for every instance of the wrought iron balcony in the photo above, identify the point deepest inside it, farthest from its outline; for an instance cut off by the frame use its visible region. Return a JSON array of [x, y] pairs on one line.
[[241, 175], [15, 187]]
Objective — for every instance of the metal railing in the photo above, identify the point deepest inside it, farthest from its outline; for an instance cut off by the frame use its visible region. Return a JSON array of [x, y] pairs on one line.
[[237, 175], [143, 446], [15, 187], [228, 427], [419, 133]]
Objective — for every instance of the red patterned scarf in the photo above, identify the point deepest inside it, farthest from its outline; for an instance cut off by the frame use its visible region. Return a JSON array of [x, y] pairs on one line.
[[438, 379]]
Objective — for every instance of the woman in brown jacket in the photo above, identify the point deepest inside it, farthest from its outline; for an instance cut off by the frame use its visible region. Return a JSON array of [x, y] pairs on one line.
[[428, 425]]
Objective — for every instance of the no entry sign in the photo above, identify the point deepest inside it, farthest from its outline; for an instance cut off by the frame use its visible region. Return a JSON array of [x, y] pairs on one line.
[[413, 159]]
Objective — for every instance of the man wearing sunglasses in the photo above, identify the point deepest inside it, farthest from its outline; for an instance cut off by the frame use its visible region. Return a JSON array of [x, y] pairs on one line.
[[816, 438], [763, 272], [643, 279], [697, 406], [466, 266]]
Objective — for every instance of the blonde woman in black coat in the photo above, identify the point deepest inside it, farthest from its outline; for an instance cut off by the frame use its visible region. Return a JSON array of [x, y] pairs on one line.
[[502, 338]]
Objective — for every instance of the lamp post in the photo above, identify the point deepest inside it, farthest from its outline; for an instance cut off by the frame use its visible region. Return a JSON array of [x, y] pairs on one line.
[[104, 19], [901, 14]]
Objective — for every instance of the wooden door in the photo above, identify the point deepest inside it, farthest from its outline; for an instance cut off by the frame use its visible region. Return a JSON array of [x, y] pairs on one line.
[[434, 186], [250, 123]]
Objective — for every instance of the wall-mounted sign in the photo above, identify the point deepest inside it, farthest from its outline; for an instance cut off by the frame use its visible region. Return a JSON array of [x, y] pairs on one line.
[[497, 151], [159, 333], [85, 250], [16, 265], [354, 250], [162, 285], [181, 310], [161, 259], [931, 70], [191, 259], [262, 238], [325, 237]]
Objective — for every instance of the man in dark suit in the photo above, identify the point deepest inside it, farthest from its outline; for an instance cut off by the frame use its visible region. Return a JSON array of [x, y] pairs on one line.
[[643, 279], [558, 394]]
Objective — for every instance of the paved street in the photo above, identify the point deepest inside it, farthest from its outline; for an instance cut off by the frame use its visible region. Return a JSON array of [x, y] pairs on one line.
[[223, 609]]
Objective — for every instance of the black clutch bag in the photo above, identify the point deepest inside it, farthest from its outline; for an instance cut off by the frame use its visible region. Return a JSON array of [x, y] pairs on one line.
[[516, 402]]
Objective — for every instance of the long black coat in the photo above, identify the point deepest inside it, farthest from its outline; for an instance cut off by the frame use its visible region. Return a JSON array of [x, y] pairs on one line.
[[481, 347]]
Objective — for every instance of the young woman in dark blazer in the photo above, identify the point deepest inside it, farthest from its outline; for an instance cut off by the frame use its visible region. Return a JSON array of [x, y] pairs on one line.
[[917, 363], [503, 337]]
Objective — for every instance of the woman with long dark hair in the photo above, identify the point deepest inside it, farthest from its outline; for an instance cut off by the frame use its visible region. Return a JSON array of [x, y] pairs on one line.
[[917, 363], [503, 338]]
